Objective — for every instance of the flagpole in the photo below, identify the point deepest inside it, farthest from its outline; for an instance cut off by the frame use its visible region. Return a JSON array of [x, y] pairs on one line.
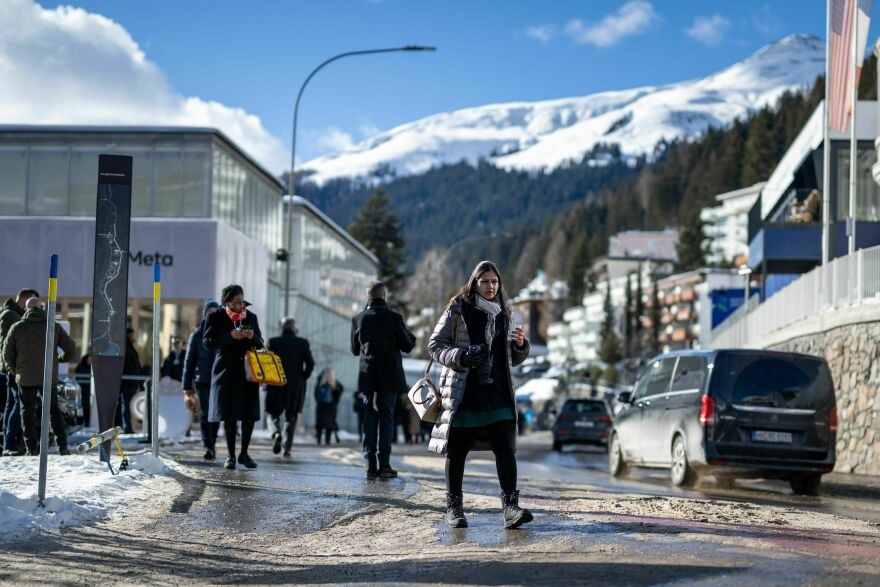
[[826, 146], [853, 143]]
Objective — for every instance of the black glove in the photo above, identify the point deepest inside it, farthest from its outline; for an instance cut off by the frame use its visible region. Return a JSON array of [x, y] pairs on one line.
[[476, 354]]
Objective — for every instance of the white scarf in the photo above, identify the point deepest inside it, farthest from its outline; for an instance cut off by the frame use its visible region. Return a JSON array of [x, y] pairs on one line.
[[491, 309]]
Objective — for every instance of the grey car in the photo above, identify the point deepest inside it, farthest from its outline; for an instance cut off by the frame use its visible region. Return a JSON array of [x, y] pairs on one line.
[[731, 414]]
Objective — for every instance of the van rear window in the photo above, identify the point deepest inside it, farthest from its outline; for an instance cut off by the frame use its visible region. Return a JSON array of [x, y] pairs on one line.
[[771, 381], [583, 407]]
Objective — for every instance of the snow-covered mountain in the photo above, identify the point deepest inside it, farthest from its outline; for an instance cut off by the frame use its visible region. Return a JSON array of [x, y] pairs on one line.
[[547, 134]]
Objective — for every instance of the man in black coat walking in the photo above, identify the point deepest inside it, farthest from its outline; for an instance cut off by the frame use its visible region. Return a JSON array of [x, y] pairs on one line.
[[296, 358], [378, 336]]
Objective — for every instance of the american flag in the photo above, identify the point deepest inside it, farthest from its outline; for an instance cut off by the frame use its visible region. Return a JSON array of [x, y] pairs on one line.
[[845, 14]]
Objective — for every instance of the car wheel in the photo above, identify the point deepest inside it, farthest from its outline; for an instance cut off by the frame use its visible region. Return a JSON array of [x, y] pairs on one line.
[[616, 464], [683, 475], [557, 445], [808, 485]]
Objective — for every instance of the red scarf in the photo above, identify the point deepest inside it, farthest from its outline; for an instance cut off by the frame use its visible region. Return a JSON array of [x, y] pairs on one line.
[[236, 317]]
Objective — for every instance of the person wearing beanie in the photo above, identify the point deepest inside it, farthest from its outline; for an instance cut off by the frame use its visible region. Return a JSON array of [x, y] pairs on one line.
[[197, 378]]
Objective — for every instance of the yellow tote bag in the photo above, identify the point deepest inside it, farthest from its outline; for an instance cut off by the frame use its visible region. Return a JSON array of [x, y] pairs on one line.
[[264, 366]]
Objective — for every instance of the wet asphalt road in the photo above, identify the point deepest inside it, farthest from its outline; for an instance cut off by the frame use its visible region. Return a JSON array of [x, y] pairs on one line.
[[314, 519]]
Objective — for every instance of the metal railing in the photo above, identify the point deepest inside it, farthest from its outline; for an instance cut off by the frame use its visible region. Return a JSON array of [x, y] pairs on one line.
[[845, 281]]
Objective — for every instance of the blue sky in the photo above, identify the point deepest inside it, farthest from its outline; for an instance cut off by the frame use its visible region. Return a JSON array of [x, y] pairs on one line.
[[253, 55]]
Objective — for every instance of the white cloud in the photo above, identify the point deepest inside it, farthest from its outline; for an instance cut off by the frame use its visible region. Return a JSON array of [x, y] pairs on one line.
[[543, 33], [70, 66], [368, 128], [633, 18], [334, 140], [709, 30]]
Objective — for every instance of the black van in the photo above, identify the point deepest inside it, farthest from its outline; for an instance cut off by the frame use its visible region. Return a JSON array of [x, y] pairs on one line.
[[729, 413]]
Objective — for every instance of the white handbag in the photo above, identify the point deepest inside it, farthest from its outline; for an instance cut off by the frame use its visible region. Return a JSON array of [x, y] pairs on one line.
[[425, 397]]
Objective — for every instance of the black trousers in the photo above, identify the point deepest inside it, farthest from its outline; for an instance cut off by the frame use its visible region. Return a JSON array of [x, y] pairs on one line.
[[502, 439], [289, 419], [30, 420], [209, 429]]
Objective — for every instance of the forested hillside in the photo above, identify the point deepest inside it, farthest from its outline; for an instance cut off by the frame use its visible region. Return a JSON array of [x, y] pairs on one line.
[[561, 220]]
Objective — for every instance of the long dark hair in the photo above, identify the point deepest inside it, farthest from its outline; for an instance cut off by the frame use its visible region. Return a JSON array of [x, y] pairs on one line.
[[469, 290]]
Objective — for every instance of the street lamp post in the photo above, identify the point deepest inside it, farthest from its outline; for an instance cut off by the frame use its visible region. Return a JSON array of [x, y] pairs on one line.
[[291, 177]]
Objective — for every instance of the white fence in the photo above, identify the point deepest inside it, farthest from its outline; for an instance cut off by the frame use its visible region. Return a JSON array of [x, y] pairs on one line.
[[844, 281]]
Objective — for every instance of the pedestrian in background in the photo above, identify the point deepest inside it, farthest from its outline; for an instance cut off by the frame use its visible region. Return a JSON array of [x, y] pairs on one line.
[[327, 393], [232, 332], [359, 408], [378, 336], [173, 365], [131, 367], [197, 366], [24, 353], [296, 359], [11, 312], [83, 373], [477, 348]]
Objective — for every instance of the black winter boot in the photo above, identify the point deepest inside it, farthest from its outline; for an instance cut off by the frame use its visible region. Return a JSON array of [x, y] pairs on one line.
[[514, 516], [455, 512]]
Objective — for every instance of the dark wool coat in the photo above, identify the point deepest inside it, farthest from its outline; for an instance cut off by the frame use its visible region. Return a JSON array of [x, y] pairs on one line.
[[24, 350], [378, 336], [199, 360], [448, 343], [233, 397], [296, 358]]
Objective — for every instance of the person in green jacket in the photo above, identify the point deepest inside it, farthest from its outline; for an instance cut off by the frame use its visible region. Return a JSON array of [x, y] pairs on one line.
[[23, 353]]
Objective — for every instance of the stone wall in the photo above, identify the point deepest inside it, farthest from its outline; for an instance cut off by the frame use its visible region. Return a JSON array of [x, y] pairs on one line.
[[853, 353]]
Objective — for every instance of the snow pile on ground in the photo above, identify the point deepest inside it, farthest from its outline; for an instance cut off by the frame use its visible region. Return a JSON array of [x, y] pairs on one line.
[[545, 135], [79, 489]]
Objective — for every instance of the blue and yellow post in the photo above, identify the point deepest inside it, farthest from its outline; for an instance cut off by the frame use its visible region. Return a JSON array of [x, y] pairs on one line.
[[154, 407], [48, 364]]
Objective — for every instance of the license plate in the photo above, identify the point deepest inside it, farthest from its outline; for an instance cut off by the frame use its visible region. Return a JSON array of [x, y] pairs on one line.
[[584, 424], [770, 436]]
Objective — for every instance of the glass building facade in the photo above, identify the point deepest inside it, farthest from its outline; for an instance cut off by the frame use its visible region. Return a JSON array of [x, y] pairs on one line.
[[178, 173], [330, 274]]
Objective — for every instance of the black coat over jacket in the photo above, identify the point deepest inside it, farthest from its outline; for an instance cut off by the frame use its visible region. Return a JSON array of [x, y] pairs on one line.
[[296, 358], [233, 397], [378, 336]]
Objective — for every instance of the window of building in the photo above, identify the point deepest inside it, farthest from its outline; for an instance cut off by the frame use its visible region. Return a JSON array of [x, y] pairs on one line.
[[83, 181], [13, 180], [196, 176], [48, 180], [168, 169], [868, 191], [141, 180]]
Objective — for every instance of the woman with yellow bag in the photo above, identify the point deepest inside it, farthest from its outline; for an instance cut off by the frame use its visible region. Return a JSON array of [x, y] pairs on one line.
[[233, 331]]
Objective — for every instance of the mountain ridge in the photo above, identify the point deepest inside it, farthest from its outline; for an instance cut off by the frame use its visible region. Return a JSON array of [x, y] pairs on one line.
[[548, 134]]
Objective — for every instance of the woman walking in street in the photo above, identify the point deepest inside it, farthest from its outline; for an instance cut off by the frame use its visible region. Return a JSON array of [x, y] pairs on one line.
[[327, 394], [477, 347], [232, 332], [197, 372]]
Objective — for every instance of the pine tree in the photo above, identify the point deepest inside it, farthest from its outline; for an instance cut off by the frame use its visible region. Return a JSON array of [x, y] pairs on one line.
[[381, 232], [577, 273], [759, 154], [691, 254], [628, 319], [655, 320], [638, 313], [609, 349]]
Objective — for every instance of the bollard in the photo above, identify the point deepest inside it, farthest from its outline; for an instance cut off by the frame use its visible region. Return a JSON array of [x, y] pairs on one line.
[[49, 358], [100, 438], [154, 405]]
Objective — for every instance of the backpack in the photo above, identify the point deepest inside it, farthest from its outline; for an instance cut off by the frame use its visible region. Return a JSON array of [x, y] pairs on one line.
[[324, 394]]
